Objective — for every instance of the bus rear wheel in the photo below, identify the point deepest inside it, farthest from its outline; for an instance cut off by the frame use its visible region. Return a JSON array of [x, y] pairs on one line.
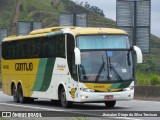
[[110, 104], [22, 99], [63, 99], [15, 94]]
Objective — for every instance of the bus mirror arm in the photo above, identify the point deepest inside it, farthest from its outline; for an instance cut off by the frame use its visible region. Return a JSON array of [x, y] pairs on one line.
[[138, 53], [77, 56]]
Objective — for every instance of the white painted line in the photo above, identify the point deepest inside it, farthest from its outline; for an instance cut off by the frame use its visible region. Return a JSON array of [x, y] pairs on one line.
[[126, 118], [146, 101], [122, 106], [14, 105]]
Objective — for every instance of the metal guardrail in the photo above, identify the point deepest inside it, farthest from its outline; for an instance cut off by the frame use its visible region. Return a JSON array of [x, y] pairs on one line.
[[147, 92]]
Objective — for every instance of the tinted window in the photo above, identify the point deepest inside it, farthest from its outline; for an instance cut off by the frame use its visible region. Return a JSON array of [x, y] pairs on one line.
[[43, 47], [60, 46]]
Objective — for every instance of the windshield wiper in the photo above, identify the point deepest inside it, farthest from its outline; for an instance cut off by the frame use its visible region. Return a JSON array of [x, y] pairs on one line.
[[100, 70], [111, 67]]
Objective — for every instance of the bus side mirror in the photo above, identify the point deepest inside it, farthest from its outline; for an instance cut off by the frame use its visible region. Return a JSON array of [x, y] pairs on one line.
[[138, 53], [77, 56]]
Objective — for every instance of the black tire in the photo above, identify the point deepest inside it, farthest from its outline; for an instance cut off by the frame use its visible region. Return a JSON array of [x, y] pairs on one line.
[[15, 94], [30, 100], [22, 99], [55, 102], [110, 104], [64, 102]]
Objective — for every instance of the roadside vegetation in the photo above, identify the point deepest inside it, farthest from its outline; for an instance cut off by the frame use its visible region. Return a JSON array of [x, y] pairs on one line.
[[148, 73], [147, 78]]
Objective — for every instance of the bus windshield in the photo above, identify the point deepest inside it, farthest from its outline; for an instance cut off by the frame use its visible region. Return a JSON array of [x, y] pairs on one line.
[[105, 59], [103, 42]]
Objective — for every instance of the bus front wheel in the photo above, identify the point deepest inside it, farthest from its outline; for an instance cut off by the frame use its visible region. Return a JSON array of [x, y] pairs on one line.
[[15, 94], [110, 104], [64, 101]]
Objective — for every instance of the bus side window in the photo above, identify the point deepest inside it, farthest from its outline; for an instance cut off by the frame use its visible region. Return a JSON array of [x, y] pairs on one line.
[[14, 49], [60, 46], [32, 48], [51, 47], [5, 50], [39, 48]]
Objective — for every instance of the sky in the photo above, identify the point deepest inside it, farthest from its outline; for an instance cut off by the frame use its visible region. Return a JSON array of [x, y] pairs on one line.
[[109, 9]]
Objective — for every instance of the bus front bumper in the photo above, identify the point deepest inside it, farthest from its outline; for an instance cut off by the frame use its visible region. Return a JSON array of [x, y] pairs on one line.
[[103, 96]]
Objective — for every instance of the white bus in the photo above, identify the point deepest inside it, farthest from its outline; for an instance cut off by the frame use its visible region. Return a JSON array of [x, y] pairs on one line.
[[69, 64]]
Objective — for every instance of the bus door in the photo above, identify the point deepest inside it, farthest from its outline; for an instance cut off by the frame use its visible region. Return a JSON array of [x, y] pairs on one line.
[[72, 76]]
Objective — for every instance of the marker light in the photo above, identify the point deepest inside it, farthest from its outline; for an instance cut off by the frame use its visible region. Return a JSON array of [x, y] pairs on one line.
[[128, 88], [87, 90]]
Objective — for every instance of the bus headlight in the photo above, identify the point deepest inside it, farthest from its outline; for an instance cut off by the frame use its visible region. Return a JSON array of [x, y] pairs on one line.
[[87, 90], [128, 88]]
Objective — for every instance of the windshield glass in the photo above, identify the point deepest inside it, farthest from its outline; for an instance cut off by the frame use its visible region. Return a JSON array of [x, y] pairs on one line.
[[103, 42], [105, 58], [105, 66]]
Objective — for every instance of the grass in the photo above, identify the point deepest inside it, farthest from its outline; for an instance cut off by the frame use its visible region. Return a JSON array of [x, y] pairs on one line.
[[147, 78]]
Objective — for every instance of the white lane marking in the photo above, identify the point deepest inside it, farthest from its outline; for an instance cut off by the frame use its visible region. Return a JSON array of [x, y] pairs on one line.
[[126, 118], [122, 106], [146, 101], [31, 107], [49, 109]]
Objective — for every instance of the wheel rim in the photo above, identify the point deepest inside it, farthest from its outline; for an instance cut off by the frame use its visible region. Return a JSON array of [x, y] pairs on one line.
[[63, 97], [20, 94], [14, 93]]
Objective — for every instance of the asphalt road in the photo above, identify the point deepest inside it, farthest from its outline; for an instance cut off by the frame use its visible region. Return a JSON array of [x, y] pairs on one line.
[[91, 110]]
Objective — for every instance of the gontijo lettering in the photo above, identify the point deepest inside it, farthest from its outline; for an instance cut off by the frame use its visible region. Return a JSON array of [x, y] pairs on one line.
[[23, 66]]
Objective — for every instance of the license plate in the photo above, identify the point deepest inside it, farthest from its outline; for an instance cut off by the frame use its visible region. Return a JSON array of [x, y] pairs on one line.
[[108, 97]]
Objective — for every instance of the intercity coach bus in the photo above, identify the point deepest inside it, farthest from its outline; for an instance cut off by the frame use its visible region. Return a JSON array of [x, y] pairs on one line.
[[69, 64]]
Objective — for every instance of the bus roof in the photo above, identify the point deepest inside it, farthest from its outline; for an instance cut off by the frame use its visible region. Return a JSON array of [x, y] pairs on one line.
[[73, 30], [90, 30]]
